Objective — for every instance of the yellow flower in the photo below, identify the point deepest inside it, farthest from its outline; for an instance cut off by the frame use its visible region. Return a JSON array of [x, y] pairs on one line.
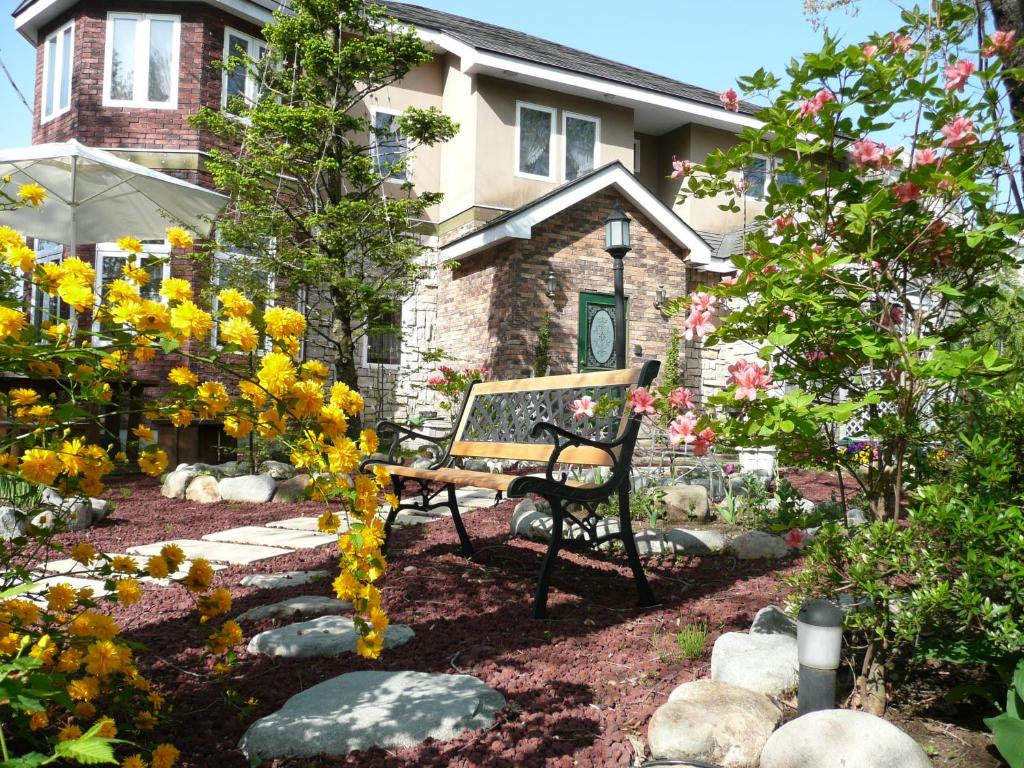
[[153, 462], [143, 432], [333, 421], [175, 289], [21, 257], [128, 591], [230, 635], [70, 660], [58, 331], [145, 721], [234, 303], [92, 624], [38, 721], [121, 457], [40, 465], [23, 396], [217, 603], [368, 442], [379, 620], [240, 332], [307, 398], [12, 322], [190, 320], [122, 290], [135, 761], [178, 237], [131, 244], [270, 423], [84, 689], [157, 567], [182, 418], [107, 728], [345, 398], [85, 710], [72, 456], [343, 457], [370, 646], [8, 462], [381, 475], [328, 522], [61, 597], [135, 272], [283, 321], [69, 732], [155, 316], [126, 313], [83, 553], [199, 576], [164, 756], [182, 377], [174, 555], [76, 293], [276, 374], [124, 564], [213, 395], [104, 658], [313, 369], [33, 194], [252, 392], [9, 237], [238, 425]]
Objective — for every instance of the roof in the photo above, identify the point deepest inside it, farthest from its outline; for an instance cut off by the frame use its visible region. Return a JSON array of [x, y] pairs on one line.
[[509, 42], [519, 223]]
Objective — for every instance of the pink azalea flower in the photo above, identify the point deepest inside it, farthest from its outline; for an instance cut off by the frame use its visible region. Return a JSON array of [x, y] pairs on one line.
[[815, 355], [1000, 41], [796, 538], [681, 168], [866, 153], [869, 51], [704, 302], [705, 439], [782, 222], [899, 42], [435, 380], [730, 100], [681, 430], [697, 325], [957, 75], [641, 401], [681, 397], [813, 106], [789, 314], [583, 408], [749, 378], [959, 133], [926, 157], [892, 318], [906, 192], [730, 280]]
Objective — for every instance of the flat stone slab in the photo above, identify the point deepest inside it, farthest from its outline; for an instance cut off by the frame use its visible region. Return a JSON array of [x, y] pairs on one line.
[[297, 608], [360, 710], [37, 593], [283, 579], [298, 524], [235, 554], [273, 537], [326, 636], [72, 566]]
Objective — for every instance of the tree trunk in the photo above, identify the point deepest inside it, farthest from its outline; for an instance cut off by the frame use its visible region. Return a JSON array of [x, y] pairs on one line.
[[1009, 15], [345, 355], [870, 692]]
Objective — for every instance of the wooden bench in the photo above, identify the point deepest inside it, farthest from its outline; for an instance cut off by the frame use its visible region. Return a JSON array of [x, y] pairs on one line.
[[532, 420]]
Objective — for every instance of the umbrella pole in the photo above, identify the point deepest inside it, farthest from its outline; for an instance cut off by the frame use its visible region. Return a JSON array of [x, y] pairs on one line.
[[73, 319]]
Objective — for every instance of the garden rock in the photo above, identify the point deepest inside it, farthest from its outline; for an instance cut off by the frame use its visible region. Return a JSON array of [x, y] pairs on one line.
[[758, 545], [685, 502], [100, 508], [531, 520], [322, 637], [424, 463], [73, 514], [11, 524], [856, 516], [763, 663], [297, 607], [291, 490], [233, 468], [283, 579], [840, 738], [360, 710], [714, 722], [177, 481], [279, 470], [652, 542], [474, 465], [696, 542], [204, 489], [772, 620], [248, 488]]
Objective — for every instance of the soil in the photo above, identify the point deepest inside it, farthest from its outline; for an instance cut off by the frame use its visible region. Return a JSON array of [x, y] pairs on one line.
[[580, 685]]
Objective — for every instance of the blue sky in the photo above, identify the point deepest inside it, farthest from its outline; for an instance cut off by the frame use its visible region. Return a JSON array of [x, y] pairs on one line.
[[705, 43]]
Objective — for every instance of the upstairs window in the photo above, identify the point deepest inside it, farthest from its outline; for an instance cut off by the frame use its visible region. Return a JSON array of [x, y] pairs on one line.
[[241, 88], [58, 53], [582, 135], [384, 347], [389, 146], [141, 68], [534, 137], [760, 172]]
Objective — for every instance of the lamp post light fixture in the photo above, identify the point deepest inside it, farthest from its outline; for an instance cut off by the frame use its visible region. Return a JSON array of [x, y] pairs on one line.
[[617, 244], [551, 283], [819, 638], [660, 297]]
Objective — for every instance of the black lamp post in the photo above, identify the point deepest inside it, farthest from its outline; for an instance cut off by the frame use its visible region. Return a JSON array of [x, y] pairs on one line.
[[616, 242]]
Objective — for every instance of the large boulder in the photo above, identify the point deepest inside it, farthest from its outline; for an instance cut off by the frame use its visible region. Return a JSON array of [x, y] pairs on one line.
[[204, 490], [714, 722], [360, 710], [772, 620], [279, 470], [696, 542], [252, 489], [291, 490], [177, 481], [842, 738], [12, 523], [758, 545], [681, 503], [763, 663]]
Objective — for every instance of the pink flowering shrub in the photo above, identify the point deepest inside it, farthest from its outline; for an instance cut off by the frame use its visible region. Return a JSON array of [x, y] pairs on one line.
[[451, 384]]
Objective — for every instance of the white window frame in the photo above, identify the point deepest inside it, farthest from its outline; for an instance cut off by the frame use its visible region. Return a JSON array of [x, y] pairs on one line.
[[769, 174], [374, 111], [520, 106], [57, 67], [252, 87], [566, 116], [161, 250], [638, 148], [141, 63], [364, 348], [221, 255]]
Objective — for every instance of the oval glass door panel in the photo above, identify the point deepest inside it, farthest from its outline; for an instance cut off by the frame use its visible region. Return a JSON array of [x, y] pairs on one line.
[[602, 337]]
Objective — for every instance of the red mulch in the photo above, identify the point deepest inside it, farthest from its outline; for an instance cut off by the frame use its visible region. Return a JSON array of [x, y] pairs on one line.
[[579, 685]]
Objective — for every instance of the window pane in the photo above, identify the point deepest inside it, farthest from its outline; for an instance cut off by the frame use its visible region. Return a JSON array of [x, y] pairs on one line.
[[65, 70], [161, 55], [385, 348], [580, 143], [534, 142], [390, 146], [237, 46], [122, 60], [756, 177], [51, 56]]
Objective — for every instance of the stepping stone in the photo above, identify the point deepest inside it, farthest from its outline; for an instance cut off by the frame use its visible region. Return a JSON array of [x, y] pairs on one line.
[[283, 579], [298, 524], [71, 566], [37, 593], [326, 636], [360, 710], [297, 608], [235, 554], [273, 537]]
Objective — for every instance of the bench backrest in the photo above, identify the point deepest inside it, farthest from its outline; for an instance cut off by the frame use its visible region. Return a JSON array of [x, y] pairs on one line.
[[498, 416]]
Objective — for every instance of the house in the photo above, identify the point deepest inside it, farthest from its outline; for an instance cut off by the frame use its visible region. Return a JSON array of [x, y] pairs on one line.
[[552, 139]]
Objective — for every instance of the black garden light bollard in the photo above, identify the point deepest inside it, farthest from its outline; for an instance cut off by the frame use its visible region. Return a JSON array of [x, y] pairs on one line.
[[819, 637]]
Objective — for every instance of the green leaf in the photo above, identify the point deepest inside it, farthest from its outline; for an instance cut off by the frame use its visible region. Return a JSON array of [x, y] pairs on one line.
[[30, 760], [1008, 734], [781, 338], [948, 290], [18, 590], [169, 345], [88, 749], [991, 358]]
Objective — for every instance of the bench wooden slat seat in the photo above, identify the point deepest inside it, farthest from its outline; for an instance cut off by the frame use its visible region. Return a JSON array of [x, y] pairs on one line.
[[533, 420]]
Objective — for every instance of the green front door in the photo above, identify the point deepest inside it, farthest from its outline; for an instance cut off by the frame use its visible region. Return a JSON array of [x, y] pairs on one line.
[[596, 341]]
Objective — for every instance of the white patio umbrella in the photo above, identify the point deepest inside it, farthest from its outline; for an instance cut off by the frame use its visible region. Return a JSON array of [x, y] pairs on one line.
[[93, 196]]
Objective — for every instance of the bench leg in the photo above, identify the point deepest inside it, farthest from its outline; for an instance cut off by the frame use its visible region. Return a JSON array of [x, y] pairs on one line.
[[647, 598], [453, 505], [540, 600]]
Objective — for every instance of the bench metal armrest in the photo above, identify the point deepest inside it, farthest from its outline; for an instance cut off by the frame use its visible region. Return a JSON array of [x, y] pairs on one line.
[[385, 427]]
